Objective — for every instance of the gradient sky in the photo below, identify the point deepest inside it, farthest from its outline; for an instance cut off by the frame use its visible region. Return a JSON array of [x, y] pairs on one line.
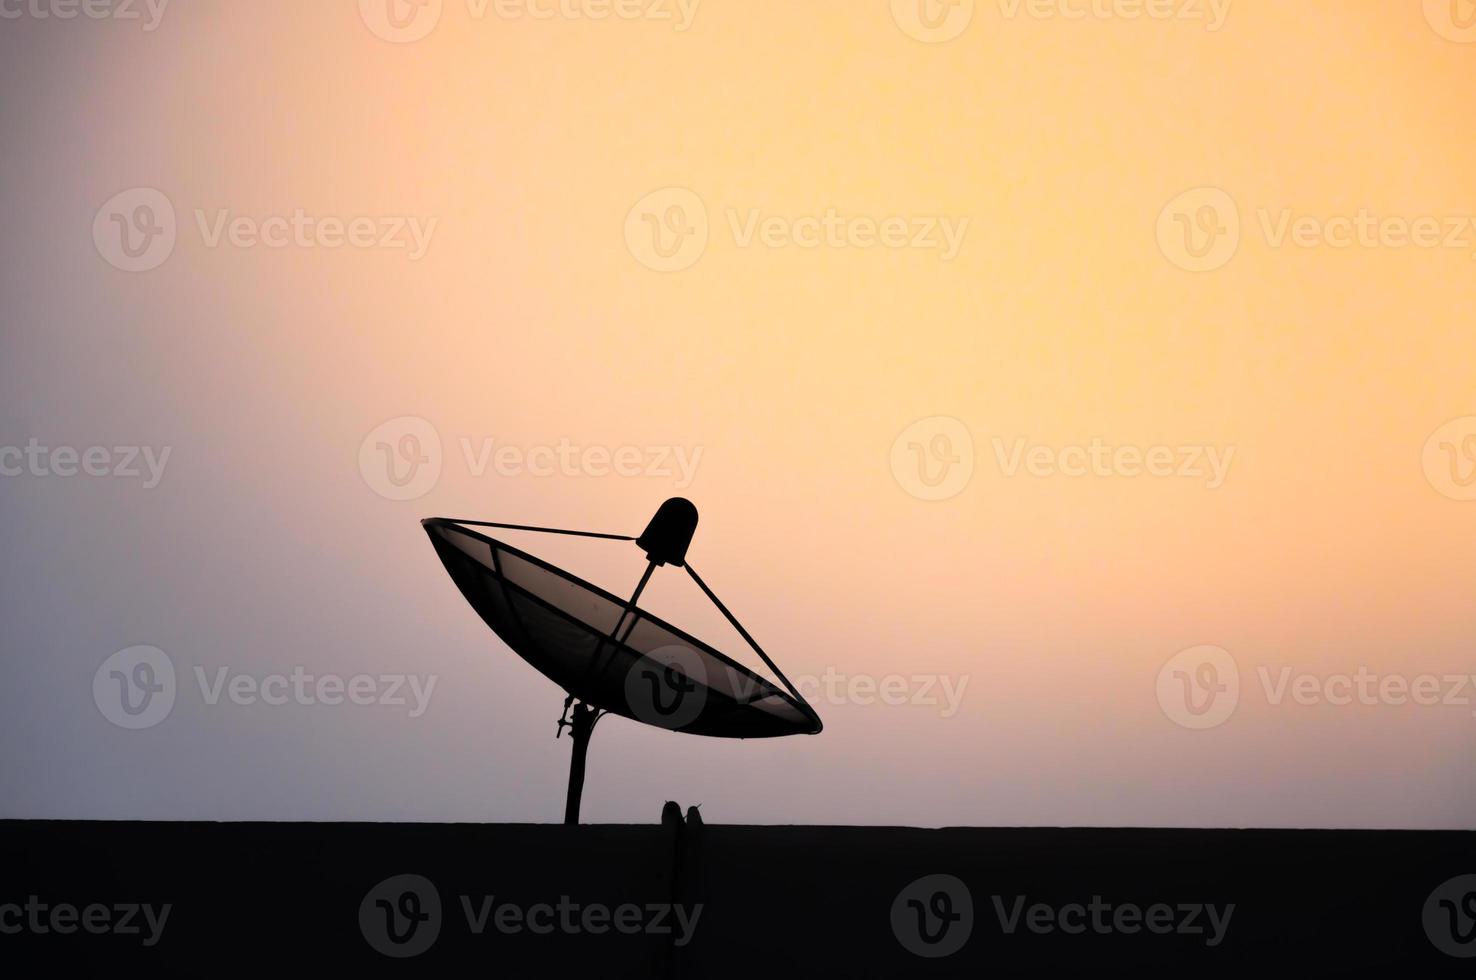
[[1335, 363]]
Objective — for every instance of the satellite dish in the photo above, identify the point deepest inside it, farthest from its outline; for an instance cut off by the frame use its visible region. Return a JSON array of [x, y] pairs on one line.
[[608, 654]]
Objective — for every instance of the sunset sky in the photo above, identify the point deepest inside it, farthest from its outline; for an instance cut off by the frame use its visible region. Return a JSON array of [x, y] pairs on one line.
[[1009, 349]]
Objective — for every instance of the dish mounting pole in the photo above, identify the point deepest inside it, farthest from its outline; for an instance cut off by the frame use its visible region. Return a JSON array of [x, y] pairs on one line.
[[585, 716], [580, 729], [665, 541]]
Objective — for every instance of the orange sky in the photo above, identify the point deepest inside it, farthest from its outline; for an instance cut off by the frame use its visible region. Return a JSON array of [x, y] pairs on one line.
[[1036, 176]]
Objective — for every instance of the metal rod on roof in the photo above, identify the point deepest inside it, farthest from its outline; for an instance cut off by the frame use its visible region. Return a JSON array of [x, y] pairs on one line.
[[615, 636], [543, 530], [751, 641]]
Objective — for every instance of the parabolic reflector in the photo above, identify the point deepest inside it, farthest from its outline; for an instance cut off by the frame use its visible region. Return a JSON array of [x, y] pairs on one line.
[[609, 653]]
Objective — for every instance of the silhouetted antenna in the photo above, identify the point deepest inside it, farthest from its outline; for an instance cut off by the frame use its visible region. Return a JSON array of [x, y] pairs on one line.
[[608, 654]]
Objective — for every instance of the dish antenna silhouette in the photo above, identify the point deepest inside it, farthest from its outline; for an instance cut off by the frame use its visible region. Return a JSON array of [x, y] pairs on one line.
[[608, 654]]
